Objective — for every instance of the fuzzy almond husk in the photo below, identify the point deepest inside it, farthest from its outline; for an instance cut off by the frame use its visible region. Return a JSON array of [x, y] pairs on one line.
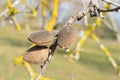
[[41, 38], [36, 55], [67, 36]]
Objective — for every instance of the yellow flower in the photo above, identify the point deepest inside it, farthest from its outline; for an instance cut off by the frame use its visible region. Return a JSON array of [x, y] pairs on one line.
[[18, 60], [98, 21]]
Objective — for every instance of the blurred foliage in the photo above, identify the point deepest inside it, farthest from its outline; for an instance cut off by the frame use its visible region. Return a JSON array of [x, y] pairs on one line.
[[103, 31]]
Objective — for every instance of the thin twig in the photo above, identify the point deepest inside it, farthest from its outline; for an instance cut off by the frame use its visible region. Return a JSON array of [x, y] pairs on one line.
[[43, 68], [29, 69], [111, 2], [110, 10], [96, 4], [85, 18]]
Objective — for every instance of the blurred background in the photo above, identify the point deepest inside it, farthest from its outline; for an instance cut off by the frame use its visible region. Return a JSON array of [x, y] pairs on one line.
[[93, 63]]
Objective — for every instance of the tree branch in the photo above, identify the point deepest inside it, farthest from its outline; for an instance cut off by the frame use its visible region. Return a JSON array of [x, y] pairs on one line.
[[110, 10], [78, 16], [52, 48], [111, 2]]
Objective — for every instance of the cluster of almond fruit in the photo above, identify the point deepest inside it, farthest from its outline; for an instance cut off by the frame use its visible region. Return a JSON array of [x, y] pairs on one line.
[[39, 53]]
